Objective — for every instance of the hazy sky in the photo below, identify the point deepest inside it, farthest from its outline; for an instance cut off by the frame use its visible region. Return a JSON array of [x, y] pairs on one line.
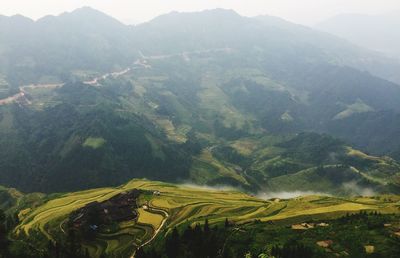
[[130, 11]]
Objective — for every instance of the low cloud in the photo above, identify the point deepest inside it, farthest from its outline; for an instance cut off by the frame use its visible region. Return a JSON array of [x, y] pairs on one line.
[[355, 189], [210, 188], [286, 195], [348, 188]]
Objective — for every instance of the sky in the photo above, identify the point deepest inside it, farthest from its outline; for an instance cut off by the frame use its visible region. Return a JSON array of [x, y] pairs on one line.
[[307, 12]]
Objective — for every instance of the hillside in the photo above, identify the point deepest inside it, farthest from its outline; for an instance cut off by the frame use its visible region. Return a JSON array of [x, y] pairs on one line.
[[49, 49], [161, 207], [81, 140], [98, 136], [218, 105]]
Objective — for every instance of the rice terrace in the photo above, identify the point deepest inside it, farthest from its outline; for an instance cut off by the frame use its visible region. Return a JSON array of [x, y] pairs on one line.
[[199, 129], [163, 206]]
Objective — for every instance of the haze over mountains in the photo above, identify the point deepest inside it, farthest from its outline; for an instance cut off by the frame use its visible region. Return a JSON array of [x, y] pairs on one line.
[[376, 32], [203, 134], [211, 97]]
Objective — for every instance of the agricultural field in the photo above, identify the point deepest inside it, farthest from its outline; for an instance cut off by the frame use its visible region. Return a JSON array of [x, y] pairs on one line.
[[94, 143], [164, 206], [206, 168]]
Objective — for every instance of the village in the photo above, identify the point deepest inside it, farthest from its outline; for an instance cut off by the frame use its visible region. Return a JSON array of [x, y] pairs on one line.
[[121, 207]]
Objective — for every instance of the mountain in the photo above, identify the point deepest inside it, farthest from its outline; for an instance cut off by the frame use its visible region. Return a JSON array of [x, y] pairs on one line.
[[181, 99], [87, 40], [260, 130], [83, 141], [84, 39], [376, 32], [226, 29]]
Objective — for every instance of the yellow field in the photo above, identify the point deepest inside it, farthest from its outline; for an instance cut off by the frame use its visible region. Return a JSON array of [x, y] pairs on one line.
[[94, 143], [194, 204], [59, 208], [179, 204], [146, 217]]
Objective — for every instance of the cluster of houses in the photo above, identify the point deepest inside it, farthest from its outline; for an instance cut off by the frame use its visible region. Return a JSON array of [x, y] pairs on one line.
[[121, 207], [304, 226]]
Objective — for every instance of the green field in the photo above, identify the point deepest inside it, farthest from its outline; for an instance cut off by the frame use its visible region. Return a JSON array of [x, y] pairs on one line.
[[94, 143], [182, 205]]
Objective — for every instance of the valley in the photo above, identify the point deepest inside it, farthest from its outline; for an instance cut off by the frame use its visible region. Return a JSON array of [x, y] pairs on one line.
[[192, 135], [224, 140]]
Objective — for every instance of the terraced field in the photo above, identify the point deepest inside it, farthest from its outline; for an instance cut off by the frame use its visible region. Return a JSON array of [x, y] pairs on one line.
[[176, 205]]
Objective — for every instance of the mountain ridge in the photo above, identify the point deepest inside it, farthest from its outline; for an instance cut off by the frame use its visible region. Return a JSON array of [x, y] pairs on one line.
[[175, 102], [127, 33]]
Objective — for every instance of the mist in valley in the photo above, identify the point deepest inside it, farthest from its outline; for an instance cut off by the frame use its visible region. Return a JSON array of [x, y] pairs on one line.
[[195, 128]]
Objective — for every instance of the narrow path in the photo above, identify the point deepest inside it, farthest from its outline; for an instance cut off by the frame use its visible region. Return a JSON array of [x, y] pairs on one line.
[[166, 215], [61, 226]]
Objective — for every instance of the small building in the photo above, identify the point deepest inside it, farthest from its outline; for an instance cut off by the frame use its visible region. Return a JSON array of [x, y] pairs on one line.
[[303, 226], [325, 243], [156, 193], [308, 225], [369, 249]]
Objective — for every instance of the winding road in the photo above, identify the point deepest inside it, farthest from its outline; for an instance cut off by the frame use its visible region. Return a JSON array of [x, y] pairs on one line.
[[166, 215], [141, 62], [22, 92], [22, 89]]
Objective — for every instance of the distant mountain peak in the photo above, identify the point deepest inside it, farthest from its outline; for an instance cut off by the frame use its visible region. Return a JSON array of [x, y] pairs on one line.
[[85, 14], [86, 10], [19, 17], [218, 13], [221, 11]]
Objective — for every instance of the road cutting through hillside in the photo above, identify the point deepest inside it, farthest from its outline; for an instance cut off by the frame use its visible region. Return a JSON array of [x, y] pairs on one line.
[[95, 81], [22, 92], [11, 99], [22, 89]]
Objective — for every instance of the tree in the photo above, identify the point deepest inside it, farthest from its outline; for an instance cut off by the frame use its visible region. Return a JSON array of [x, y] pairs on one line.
[[172, 245], [140, 253], [206, 227], [226, 223], [3, 235]]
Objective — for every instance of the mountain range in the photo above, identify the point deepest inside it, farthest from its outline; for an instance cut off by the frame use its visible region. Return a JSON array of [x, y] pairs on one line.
[[209, 97]]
